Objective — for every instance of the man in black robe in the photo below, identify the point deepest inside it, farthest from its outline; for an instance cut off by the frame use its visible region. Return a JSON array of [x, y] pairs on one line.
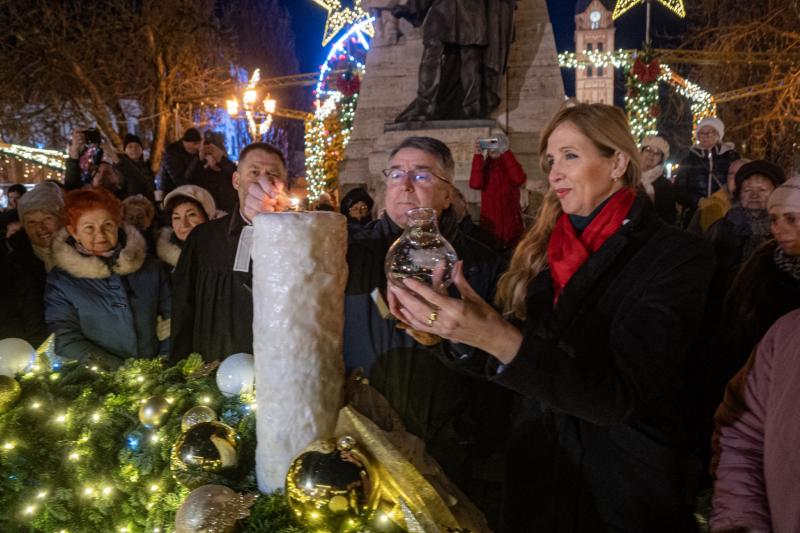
[[212, 293]]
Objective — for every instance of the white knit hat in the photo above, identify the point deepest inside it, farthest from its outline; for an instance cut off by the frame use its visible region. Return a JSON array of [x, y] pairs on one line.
[[657, 142], [787, 195], [199, 195], [46, 196], [715, 123]]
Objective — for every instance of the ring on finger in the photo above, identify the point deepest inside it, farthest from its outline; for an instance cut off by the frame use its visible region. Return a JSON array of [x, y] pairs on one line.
[[432, 318]]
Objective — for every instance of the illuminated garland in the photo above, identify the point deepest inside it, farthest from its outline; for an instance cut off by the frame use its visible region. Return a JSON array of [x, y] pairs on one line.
[[623, 6], [340, 18], [641, 99], [50, 164], [328, 132], [75, 459]]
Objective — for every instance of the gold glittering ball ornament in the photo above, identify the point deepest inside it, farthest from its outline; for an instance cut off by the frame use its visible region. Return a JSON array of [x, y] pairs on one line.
[[9, 393], [331, 485], [212, 509], [203, 451], [197, 414], [152, 412]]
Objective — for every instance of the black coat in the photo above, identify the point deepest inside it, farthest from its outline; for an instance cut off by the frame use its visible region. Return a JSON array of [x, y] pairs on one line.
[[212, 304], [137, 177], [600, 444], [438, 404], [734, 242], [761, 293], [664, 200], [26, 278], [177, 167], [698, 171], [218, 182]]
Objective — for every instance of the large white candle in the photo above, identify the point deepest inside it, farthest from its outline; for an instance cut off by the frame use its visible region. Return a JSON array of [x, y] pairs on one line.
[[299, 277]]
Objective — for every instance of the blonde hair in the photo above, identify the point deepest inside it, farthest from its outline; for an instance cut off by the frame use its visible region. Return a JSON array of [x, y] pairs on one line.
[[608, 129]]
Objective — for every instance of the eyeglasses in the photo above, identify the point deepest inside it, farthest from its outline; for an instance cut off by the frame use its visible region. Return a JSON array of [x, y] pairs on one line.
[[651, 150], [705, 132], [422, 178]]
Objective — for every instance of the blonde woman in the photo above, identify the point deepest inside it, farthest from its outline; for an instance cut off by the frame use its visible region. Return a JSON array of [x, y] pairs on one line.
[[602, 300]]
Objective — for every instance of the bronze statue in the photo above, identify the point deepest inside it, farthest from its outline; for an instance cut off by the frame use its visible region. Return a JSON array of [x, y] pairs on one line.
[[466, 44]]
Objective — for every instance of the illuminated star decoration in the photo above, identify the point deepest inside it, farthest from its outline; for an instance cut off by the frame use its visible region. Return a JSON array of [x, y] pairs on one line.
[[342, 17], [623, 6]]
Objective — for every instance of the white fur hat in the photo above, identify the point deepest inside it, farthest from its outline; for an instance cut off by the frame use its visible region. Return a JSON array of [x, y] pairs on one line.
[[715, 123], [787, 195], [657, 142], [199, 195]]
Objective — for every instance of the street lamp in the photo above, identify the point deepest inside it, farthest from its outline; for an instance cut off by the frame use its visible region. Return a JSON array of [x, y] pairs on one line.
[[257, 112]]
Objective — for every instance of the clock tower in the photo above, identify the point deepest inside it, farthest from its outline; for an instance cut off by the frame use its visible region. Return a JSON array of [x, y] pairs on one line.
[[594, 32]]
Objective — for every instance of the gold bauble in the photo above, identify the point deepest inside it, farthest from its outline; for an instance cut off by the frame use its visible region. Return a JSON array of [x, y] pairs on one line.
[[204, 450], [331, 484], [9, 393], [212, 509], [152, 412], [197, 414]]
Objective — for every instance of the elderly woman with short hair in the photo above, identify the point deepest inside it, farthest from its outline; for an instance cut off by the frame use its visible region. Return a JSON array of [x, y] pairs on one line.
[[106, 299]]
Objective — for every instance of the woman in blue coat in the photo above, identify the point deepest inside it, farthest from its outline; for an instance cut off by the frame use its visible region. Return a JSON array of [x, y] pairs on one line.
[[106, 299]]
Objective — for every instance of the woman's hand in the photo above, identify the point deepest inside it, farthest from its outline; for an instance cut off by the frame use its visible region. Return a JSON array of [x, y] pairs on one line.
[[469, 320]]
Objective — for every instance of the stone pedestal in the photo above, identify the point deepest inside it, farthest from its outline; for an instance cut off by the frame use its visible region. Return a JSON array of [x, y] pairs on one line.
[[533, 91]]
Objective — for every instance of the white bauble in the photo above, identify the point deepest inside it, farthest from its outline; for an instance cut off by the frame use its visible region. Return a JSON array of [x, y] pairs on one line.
[[16, 355], [236, 375]]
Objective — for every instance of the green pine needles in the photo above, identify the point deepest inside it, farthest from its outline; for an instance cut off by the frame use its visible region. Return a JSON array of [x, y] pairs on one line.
[[75, 458]]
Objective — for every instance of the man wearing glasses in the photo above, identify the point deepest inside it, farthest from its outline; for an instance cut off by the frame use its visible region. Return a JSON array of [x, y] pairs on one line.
[[448, 410]]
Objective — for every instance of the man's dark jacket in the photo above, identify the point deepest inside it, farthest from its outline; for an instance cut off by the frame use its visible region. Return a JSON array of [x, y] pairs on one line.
[[25, 279], [177, 167], [213, 305], [441, 406]]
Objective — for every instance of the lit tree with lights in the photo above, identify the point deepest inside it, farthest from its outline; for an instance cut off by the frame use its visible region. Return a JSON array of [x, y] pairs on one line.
[[328, 132]]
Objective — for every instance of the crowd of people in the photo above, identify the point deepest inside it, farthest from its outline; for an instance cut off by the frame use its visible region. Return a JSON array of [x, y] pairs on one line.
[[635, 346]]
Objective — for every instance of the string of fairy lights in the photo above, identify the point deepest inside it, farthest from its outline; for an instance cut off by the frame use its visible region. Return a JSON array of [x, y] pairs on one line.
[[623, 6], [36, 164], [642, 97], [328, 131], [340, 18], [98, 487]]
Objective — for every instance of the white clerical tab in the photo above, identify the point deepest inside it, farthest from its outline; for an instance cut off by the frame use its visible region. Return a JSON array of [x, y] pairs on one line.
[[242, 262]]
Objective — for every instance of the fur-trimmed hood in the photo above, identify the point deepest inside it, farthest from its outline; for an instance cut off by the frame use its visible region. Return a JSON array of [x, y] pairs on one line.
[[650, 176], [131, 258], [166, 250]]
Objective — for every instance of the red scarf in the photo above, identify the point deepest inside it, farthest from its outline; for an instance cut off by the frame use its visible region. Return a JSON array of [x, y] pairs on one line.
[[567, 251]]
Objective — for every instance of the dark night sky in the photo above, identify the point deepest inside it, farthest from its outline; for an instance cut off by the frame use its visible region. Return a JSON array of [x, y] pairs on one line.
[[308, 21]]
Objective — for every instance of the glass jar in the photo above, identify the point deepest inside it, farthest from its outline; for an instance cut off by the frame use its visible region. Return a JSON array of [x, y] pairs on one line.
[[421, 252]]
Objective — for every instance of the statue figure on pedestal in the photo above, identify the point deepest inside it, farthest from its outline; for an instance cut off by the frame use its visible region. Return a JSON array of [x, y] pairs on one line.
[[466, 44]]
